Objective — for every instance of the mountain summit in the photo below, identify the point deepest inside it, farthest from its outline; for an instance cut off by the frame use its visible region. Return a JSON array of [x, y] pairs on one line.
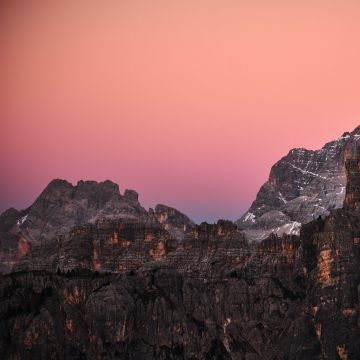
[[302, 186], [62, 206]]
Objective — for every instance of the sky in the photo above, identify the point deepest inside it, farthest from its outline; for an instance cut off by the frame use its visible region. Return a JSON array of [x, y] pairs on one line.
[[190, 103]]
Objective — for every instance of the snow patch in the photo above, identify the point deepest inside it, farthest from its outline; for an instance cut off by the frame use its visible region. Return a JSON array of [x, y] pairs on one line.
[[321, 207], [295, 228], [281, 197], [22, 220], [250, 216], [292, 228], [345, 136], [307, 172]]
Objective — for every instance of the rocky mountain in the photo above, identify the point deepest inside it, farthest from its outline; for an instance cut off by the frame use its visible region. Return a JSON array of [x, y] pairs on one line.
[[62, 206], [302, 186], [93, 275], [123, 289], [174, 221]]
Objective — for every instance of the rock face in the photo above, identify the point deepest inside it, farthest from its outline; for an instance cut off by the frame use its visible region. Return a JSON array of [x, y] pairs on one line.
[[10, 242], [62, 206], [174, 221], [352, 197], [302, 186], [107, 245]]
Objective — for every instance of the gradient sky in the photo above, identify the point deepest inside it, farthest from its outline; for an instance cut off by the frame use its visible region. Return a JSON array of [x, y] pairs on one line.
[[188, 102]]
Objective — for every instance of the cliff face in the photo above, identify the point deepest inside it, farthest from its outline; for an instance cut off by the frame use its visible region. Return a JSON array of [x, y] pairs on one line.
[[61, 206], [174, 221], [352, 198], [157, 314], [211, 296], [107, 245], [303, 185], [280, 299]]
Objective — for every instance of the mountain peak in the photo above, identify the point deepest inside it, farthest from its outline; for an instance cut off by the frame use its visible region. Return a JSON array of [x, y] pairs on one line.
[[58, 183], [177, 223], [131, 195], [302, 185], [356, 131]]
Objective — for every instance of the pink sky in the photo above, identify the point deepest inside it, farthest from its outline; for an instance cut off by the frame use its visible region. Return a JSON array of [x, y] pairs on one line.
[[188, 102]]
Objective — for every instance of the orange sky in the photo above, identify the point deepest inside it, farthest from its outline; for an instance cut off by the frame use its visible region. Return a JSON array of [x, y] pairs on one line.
[[188, 102]]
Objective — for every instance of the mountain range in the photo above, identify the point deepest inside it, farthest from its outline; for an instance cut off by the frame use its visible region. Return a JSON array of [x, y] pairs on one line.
[[88, 273]]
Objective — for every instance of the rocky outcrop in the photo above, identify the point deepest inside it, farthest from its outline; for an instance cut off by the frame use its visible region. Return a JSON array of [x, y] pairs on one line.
[[302, 186], [62, 207], [177, 223], [11, 245], [107, 245], [352, 197]]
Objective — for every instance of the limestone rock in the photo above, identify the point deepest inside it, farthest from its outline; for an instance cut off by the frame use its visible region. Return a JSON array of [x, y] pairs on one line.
[[62, 207], [302, 186], [177, 223]]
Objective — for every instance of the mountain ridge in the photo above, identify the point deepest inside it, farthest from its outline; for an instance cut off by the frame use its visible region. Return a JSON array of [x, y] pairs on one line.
[[62, 206]]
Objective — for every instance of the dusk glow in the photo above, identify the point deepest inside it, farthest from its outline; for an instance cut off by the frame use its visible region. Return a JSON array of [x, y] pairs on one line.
[[187, 102]]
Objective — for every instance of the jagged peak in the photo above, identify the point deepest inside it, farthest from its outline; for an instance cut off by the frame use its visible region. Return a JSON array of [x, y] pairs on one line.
[[90, 186], [345, 136], [303, 184], [170, 211], [162, 208], [9, 212], [131, 195], [55, 183], [356, 131]]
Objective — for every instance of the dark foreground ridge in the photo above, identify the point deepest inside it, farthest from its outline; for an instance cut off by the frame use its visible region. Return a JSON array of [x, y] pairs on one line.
[[124, 283]]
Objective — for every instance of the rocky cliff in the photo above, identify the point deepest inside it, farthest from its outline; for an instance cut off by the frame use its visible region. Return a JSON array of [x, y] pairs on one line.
[[62, 207], [174, 221], [302, 186]]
